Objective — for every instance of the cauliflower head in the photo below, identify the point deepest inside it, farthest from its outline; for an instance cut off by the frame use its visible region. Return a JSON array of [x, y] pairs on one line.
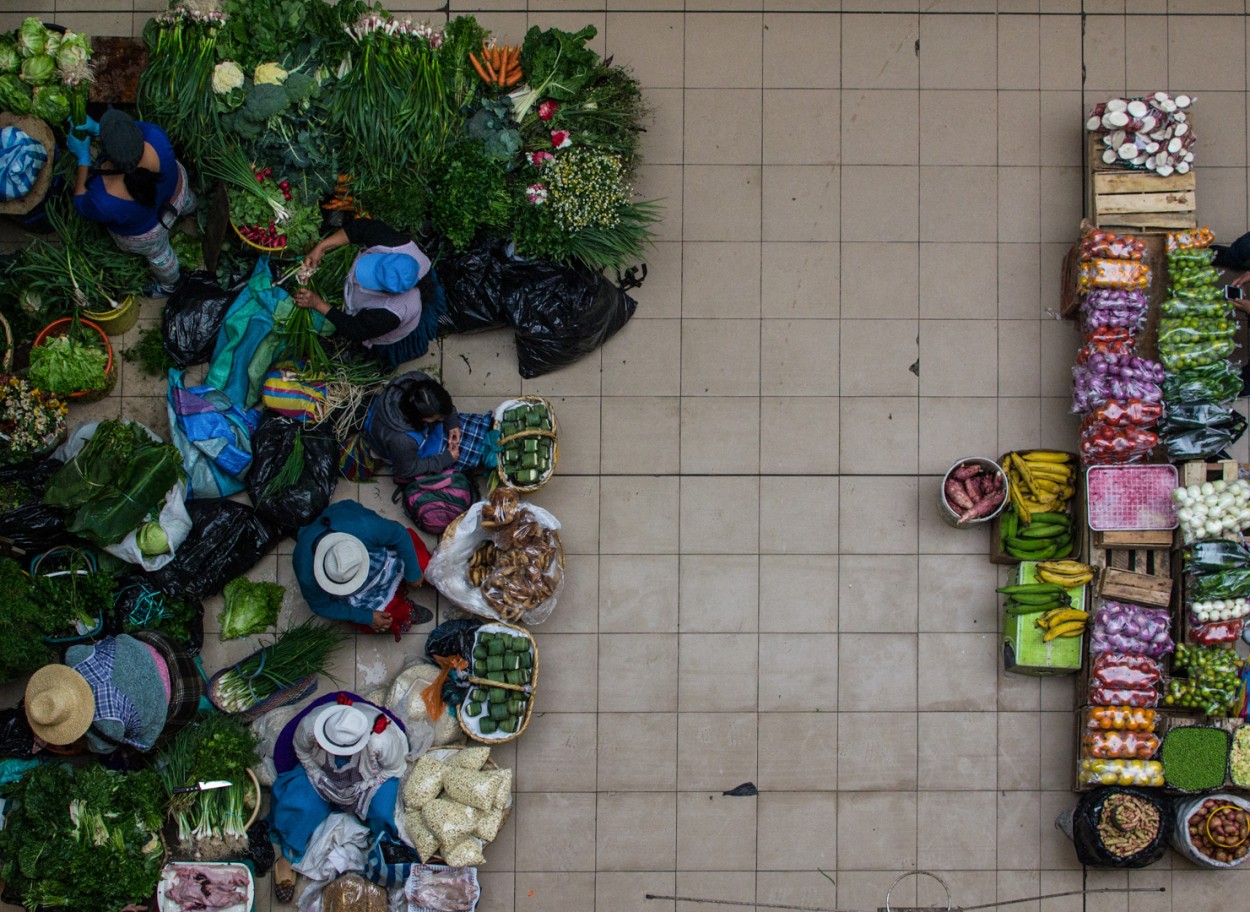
[[269, 74], [226, 77]]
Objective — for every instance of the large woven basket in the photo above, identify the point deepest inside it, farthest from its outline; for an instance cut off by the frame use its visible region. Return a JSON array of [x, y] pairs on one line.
[[489, 765], [554, 434], [533, 690], [293, 694]]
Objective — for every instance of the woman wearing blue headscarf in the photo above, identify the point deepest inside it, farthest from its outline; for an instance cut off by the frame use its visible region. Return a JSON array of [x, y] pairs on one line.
[[383, 307]]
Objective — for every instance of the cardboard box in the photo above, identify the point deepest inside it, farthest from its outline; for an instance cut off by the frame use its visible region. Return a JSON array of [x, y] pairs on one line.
[[1024, 653]]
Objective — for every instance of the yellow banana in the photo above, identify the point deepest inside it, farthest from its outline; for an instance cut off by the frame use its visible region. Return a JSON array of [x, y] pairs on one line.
[[1046, 456], [1067, 582], [1067, 616], [1065, 566], [1050, 470], [1070, 629], [1022, 509], [1023, 468]]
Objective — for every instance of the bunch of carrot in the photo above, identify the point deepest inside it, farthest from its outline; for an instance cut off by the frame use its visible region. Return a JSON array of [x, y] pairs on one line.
[[499, 66], [342, 198]]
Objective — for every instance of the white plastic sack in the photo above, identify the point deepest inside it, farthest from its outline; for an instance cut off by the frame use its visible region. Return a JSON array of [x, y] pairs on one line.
[[337, 846], [449, 565], [1181, 840], [173, 520], [266, 728]]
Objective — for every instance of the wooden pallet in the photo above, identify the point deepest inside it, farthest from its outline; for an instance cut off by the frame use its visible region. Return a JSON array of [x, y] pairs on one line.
[[1121, 198], [1142, 576], [1160, 539], [1196, 473]]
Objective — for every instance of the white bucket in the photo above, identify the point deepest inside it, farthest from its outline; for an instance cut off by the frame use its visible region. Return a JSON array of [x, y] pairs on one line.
[[950, 514]]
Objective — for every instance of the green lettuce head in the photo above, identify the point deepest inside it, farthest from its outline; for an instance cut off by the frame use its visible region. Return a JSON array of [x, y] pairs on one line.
[[10, 60], [50, 103], [74, 51], [39, 70], [32, 38], [14, 94]]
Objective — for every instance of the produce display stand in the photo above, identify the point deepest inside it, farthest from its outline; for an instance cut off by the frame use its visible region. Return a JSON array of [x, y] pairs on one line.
[[1136, 201]]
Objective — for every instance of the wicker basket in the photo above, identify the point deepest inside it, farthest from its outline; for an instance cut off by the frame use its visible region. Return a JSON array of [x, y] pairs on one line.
[[489, 765], [293, 694], [6, 360], [276, 253], [60, 328], [554, 434], [533, 688]]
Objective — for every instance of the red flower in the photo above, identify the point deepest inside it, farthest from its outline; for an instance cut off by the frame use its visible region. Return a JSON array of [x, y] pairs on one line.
[[561, 139], [547, 110]]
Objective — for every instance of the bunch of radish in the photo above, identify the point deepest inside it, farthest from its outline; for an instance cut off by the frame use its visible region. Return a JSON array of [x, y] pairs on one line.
[[1151, 132], [271, 236]]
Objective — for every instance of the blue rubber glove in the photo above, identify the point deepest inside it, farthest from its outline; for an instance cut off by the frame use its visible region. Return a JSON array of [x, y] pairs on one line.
[[79, 148]]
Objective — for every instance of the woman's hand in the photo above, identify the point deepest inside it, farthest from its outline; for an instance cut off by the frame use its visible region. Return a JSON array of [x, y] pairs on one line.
[[381, 621], [312, 259], [305, 297], [1242, 280], [454, 436]]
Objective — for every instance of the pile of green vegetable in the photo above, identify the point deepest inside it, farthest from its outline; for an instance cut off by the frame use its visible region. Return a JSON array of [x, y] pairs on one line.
[[82, 839], [74, 594], [24, 624], [115, 483], [44, 72], [72, 363], [503, 659], [398, 110], [250, 607], [1194, 757], [299, 652], [211, 824]]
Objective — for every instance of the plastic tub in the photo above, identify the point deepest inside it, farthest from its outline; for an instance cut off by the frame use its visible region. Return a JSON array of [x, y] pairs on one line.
[[60, 328], [950, 514], [119, 320]]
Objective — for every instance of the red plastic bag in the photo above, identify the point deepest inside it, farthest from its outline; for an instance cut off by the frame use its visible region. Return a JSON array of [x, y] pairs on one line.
[[1216, 633], [1136, 672], [1122, 696]]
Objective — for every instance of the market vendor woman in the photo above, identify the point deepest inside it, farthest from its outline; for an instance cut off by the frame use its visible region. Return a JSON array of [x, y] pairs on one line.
[[354, 565], [383, 308], [137, 190]]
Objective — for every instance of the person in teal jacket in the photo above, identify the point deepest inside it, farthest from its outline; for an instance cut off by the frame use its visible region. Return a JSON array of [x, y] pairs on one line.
[[354, 565]]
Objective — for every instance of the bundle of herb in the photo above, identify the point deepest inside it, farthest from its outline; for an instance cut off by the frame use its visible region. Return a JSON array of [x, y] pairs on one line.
[[83, 839], [300, 652], [31, 420], [149, 353], [23, 624], [115, 482], [469, 194], [210, 824], [176, 86], [74, 594]]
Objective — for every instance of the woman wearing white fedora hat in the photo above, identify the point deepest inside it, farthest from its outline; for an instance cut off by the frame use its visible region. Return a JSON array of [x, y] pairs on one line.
[[354, 565]]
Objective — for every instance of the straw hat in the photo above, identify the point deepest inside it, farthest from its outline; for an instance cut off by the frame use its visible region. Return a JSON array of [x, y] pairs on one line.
[[41, 133], [341, 730], [60, 705], [340, 563]]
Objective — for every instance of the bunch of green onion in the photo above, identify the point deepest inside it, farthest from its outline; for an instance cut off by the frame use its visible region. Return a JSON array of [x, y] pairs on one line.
[[302, 651]]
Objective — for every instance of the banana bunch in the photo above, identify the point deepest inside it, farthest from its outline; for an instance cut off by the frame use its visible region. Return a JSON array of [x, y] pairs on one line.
[[1033, 598], [1067, 573], [1062, 622], [1037, 527]]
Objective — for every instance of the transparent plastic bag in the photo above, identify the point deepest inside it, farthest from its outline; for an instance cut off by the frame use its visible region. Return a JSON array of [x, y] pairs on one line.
[[1118, 670], [1108, 273], [1121, 772], [1121, 718], [1217, 382], [1119, 745], [1193, 834], [1123, 696], [1187, 355]]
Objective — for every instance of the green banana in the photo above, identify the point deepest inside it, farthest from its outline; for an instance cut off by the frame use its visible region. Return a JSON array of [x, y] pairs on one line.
[[1062, 519], [1029, 588], [1043, 530], [1014, 608]]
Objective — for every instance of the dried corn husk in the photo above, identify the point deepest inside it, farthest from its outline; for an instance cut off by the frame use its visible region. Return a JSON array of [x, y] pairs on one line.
[[476, 789]]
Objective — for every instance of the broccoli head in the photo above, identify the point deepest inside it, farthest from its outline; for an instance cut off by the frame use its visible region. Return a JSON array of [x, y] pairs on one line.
[[300, 86], [264, 101]]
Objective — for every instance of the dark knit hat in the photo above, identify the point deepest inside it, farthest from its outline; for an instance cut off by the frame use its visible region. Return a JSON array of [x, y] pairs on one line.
[[121, 140]]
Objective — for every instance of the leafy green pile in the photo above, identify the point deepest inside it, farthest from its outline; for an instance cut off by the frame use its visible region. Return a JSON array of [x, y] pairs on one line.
[[250, 607], [23, 624], [83, 839], [76, 595], [151, 609], [469, 194], [115, 482], [149, 352], [65, 364]]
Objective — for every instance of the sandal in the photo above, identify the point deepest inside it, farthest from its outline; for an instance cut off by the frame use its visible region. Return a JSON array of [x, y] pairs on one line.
[[283, 880]]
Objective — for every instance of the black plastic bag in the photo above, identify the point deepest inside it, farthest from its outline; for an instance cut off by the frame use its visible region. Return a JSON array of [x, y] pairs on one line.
[[132, 610], [32, 528], [16, 737], [298, 505], [452, 638], [560, 313], [1082, 827], [34, 475], [1215, 556], [1200, 430], [227, 539], [260, 847], [193, 315]]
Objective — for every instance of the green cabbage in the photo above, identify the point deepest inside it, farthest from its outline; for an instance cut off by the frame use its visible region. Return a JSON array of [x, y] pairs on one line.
[[74, 52], [50, 103], [9, 58], [39, 70], [250, 607], [32, 37], [51, 43], [14, 94]]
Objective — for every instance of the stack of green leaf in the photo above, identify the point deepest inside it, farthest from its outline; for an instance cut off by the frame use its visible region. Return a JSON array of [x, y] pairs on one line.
[[115, 483], [250, 607], [83, 839], [41, 70], [502, 658]]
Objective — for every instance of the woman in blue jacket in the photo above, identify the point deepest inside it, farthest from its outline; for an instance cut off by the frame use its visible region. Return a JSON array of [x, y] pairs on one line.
[[137, 190], [354, 565]]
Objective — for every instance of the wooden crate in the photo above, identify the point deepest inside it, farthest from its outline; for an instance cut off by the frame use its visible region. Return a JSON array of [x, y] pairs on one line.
[[1196, 473], [1142, 576], [1120, 198], [1153, 539]]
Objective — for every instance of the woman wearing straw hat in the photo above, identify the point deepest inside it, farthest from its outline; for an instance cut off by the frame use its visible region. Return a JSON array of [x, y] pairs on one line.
[[116, 692], [137, 190], [353, 565]]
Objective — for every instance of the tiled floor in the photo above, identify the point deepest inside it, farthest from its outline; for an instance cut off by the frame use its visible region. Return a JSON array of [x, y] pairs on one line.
[[854, 285]]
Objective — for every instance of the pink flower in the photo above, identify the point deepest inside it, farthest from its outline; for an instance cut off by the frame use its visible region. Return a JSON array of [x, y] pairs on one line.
[[561, 139], [547, 110], [536, 194], [538, 159]]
